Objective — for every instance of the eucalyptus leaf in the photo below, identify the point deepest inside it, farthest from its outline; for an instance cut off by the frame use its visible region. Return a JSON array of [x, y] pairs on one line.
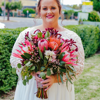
[[28, 64], [19, 65], [48, 72], [42, 75], [33, 68], [14, 70], [30, 77], [25, 62], [42, 68], [24, 82]]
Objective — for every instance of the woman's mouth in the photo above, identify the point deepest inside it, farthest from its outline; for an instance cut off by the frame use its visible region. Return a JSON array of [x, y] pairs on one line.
[[50, 16]]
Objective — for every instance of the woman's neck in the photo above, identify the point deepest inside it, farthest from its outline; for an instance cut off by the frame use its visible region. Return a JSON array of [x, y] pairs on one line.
[[49, 25]]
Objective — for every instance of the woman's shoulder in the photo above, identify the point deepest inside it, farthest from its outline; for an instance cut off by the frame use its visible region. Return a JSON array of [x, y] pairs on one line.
[[69, 33]]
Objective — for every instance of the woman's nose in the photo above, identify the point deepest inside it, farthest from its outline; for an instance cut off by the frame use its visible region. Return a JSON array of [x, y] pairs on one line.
[[49, 11]]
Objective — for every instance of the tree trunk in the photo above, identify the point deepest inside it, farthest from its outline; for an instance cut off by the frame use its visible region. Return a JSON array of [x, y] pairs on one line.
[[8, 13]]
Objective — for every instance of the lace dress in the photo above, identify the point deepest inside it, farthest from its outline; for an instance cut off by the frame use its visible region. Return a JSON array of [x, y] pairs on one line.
[[56, 92]]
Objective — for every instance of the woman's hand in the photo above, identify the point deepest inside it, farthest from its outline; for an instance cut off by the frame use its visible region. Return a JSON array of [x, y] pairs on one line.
[[48, 82], [37, 78]]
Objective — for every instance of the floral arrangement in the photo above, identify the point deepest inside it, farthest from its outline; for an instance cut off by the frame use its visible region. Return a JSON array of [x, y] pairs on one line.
[[48, 53]]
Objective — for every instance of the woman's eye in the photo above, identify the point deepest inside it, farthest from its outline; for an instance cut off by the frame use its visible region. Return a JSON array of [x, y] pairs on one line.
[[44, 8], [53, 8]]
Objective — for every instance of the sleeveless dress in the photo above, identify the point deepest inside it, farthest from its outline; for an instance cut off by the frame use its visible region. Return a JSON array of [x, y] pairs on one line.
[[56, 92]]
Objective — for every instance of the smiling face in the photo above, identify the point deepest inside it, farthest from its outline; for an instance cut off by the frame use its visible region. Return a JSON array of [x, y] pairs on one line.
[[49, 11]]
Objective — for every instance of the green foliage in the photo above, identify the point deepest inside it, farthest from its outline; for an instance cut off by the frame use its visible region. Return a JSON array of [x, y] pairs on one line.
[[13, 5], [0, 11], [8, 79], [96, 5], [89, 35], [68, 13], [31, 11], [75, 13], [93, 16]]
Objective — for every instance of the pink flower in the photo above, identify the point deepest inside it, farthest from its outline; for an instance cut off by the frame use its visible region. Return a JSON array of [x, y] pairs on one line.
[[36, 37], [43, 35], [69, 58], [43, 43]]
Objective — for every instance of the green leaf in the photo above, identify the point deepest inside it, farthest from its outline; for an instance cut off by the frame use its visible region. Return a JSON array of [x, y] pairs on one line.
[[33, 68], [40, 53], [62, 63], [28, 56], [19, 65], [44, 48], [23, 57], [47, 34], [42, 75], [45, 61], [28, 64], [68, 78], [24, 82], [14, 70], [61, 55], [30, 77], [39, 35], [48, 72], [61, 78], [72, 68], [67, 84], [42, 68], [70, 73], [62, 70], [25, 62], [58, 79]]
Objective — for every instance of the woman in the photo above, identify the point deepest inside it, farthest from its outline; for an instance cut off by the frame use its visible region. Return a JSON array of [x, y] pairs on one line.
[[49, 11]]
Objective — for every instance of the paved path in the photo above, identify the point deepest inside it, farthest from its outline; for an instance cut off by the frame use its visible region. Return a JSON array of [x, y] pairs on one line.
[[29, 22]]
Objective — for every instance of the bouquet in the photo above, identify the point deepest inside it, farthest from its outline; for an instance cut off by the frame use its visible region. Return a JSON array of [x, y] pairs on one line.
[[48, 53]]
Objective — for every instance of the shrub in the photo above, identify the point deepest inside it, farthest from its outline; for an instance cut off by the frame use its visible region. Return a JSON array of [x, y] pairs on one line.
[[75, 13], [8, 80], [89, 35], [31, 11], [93, 16], [68, 13]]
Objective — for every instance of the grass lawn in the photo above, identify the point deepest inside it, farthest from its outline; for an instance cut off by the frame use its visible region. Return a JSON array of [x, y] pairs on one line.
[[87, 86]]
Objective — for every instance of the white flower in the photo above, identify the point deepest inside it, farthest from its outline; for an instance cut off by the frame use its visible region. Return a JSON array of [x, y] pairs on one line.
[[50, 55]]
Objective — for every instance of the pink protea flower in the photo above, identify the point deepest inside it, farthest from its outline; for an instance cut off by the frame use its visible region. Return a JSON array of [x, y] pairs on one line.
[[25, 48], [43, 43], [70, 58]]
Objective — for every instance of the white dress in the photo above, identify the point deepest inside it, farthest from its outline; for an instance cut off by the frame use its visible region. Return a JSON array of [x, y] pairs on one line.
[[56, 92]]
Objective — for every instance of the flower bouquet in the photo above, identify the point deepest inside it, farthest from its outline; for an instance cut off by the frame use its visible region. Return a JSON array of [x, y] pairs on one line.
[[48, 53]]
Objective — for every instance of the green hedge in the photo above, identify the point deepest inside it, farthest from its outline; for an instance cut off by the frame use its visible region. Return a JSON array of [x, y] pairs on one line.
[[7, 39], [90, 36]]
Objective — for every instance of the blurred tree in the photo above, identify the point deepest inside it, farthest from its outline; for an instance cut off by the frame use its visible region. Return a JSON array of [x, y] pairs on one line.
[[30, 11], [12, 6], [96, 5], [77, 6]]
